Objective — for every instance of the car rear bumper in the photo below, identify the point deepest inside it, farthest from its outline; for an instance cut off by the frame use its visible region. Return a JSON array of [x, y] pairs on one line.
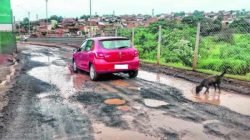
[[103, 66]]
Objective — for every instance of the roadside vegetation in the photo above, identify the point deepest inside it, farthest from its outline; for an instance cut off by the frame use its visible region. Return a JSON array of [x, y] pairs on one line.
[[220, 47], [7, 41]]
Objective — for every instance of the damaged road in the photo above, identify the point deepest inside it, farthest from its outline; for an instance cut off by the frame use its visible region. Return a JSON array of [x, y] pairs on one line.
[[48, 101]]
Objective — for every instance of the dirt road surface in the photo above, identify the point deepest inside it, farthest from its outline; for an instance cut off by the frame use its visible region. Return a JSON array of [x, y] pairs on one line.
[[49, 102]]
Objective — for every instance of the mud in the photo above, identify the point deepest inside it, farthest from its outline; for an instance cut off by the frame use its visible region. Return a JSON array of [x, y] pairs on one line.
[[241, 87], [48, 101], [114, 102], [231, 100], [154, 103]]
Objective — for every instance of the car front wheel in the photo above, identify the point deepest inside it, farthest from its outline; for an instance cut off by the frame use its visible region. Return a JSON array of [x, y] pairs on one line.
[[92, 73], [75, 69], [133, 74]]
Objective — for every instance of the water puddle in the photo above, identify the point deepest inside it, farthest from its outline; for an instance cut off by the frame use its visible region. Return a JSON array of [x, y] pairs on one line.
[[213, 98], [43, 95], [185, 128], [154, 103], [120, 83], [79, 80], [124, 108], [115, 102], [210, 121], [103, 132], [235, 102]]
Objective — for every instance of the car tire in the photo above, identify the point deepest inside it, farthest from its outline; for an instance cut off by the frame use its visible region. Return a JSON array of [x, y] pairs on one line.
[[92, 73], [75, 69], [133, 74]]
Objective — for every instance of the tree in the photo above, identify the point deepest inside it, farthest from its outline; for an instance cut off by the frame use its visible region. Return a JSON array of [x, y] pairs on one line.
[[55, 17], [180, 14], [191, 20], [209, 26], [194, 19], [25, 24], [241, 26], [85, 17]]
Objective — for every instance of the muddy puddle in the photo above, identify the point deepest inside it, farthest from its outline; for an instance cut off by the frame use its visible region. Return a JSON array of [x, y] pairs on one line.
[[103, 132], [154, 103], [123, 108], [181, 128], [114, 102], [235, 102]]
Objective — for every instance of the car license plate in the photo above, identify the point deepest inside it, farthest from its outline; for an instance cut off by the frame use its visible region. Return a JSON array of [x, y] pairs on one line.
[[121, 67]]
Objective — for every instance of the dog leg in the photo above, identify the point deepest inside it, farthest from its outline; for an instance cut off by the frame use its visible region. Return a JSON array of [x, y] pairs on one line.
[[219, 87], [207, 90]]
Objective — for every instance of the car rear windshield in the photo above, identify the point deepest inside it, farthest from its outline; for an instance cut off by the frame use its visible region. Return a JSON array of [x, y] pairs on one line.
[[116, 44]]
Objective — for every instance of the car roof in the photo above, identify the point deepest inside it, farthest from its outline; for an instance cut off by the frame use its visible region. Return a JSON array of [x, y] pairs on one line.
[[107, 38]]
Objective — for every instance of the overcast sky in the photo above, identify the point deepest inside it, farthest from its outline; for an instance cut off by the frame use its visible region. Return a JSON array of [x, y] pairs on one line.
[[75, 8]]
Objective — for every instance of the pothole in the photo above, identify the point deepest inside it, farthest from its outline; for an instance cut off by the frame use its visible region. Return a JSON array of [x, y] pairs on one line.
[[210, 121], [123, 108], [154, 103], [115, 102]]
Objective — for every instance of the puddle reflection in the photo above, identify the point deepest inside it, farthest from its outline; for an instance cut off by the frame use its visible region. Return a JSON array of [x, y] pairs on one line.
[[236, 102], [213, 98]]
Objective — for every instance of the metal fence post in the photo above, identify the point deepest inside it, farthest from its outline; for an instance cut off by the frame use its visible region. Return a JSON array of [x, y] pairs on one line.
[[195, 60], [159, 46]]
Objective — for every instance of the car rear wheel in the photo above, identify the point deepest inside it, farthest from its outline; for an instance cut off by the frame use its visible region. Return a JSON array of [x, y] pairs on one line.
[[92, 73], [133, 74], [75, 69]]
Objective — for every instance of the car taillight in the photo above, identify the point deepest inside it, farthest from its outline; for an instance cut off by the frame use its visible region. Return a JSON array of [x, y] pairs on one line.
[[136, 53], [100, 55]]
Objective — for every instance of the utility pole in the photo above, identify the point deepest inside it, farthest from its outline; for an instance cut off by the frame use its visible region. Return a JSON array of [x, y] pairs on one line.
[[159, 46], [36, 17], [19, 28], [47, 16], [153, 12], [195, 60], [90, 13], [29, 21], [90, 8]]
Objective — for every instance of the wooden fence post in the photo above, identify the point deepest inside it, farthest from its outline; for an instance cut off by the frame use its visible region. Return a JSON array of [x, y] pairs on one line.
[[133, 36], [159, 46], [116, 31], [195, 59]]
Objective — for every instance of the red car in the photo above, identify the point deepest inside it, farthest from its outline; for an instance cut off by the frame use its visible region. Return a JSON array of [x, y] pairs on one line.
[[102, 55]]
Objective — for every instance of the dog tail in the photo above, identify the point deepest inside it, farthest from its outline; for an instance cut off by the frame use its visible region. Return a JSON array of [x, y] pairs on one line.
[[223, 73]]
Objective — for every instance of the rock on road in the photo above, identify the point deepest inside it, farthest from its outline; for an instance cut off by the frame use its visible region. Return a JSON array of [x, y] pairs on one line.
[[48, 102]]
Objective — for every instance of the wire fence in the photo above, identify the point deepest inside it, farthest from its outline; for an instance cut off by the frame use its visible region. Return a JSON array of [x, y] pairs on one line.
[[220, 45], [7, 42]]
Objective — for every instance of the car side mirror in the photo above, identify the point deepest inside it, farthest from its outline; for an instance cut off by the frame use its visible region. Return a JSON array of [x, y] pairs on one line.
[[77, 50]]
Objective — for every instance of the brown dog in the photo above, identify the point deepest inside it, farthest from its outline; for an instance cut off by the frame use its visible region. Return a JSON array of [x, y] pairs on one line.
[[210, 81]]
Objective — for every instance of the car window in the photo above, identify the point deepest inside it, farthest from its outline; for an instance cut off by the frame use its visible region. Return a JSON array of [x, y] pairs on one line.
[[89, 45], [116, 44], [83, 45]]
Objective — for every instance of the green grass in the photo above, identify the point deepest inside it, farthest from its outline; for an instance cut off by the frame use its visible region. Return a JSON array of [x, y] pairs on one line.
[[211, 72], [7, 42], [237, 77]]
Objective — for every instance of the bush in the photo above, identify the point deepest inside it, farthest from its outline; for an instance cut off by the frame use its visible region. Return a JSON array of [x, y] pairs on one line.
[[211, 64], [235, 66], [225, 35]]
